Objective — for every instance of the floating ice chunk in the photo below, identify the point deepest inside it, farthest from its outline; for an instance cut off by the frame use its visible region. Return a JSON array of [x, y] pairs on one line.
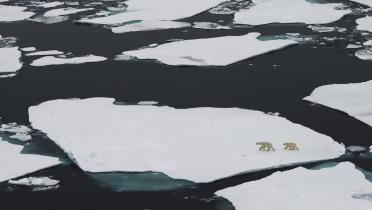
[[65, 11], [182, 143], [353, 99], [328, 188], [149, 25], [321, 29], [45, 52], [49, 19], [156, 10], [20, 132], [364, 24], [364, 2], [353, 46], [28, 49], [52, 60], [50, 4], [7, 75], [147, 103], [364, 54], [219, 51], [290, 11], [10, 59], [13, 13], [209, 25], [367, 43], [34, 181], [14, 164]]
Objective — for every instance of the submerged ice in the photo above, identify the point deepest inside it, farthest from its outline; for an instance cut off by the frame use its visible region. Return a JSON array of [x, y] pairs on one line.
[[220, 51], [182, 143]]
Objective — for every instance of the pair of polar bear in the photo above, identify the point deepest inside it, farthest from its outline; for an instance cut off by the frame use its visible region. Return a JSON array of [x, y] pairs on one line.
[[267, 146]]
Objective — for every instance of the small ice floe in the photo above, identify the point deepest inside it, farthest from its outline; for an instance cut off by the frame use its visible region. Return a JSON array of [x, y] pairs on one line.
[[156, 11], [148, 25], [353, 46], [353, 99], [50, 4], [35, 181], [48, 19], [53, 60], [290, 11], [10, 56], [342, 187], [14, 13], [65, 11], [181, 143], [364, 24], [364, 54], [325, 29], [208, 25], [210, 51], [28, 49], [45, 52], [15, 164], [368, 43], [147, 103], [20, 132]]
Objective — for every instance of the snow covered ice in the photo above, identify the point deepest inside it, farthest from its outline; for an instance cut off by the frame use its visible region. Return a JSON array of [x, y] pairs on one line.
[[210, 51], [328, 188], [45, 52], [353, 99], [52, 60], [34, 181], [14, 164], [10, 59], [290, 11], [364, 24], [181, 143], [64, 11], [364, 2], [14, 13], [149, 25]]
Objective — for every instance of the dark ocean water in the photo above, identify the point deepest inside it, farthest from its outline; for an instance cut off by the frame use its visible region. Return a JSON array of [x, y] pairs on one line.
[[275, 82]]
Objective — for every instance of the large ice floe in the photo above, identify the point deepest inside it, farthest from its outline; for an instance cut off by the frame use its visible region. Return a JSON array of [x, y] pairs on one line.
[[364, 24], [53, 60], [156, 10], [210, 51], [196, 144], [290, 11], [342, 187], [14, 13], [353, 99], [14, 164]]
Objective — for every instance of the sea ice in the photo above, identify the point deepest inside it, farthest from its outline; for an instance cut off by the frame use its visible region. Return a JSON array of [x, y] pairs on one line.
[[364, 54], [52, 60], [64, 11], [14, 164], [34, 181], [196, 144], [364, 2], [210, 51], [367, 43], [10, 59], [19, 132], [148, 25], [353, 99], [290, 11], [13, 13], [28, 49], [45, 52], [209, 26], [50, 4], [364, 24], [336, 188], [156, 10]]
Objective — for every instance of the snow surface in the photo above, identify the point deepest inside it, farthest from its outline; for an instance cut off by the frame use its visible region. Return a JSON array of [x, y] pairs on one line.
[[13, 13], [14, 164], [45, 52], [52, 60], [353, 99], [34, 181], [364, 2], [210, 51], [149, 25], [290, 11], [156, 10], [10, 59], [328, 188], [364, 24], [198, 144], [64, 11], [50, 4]]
